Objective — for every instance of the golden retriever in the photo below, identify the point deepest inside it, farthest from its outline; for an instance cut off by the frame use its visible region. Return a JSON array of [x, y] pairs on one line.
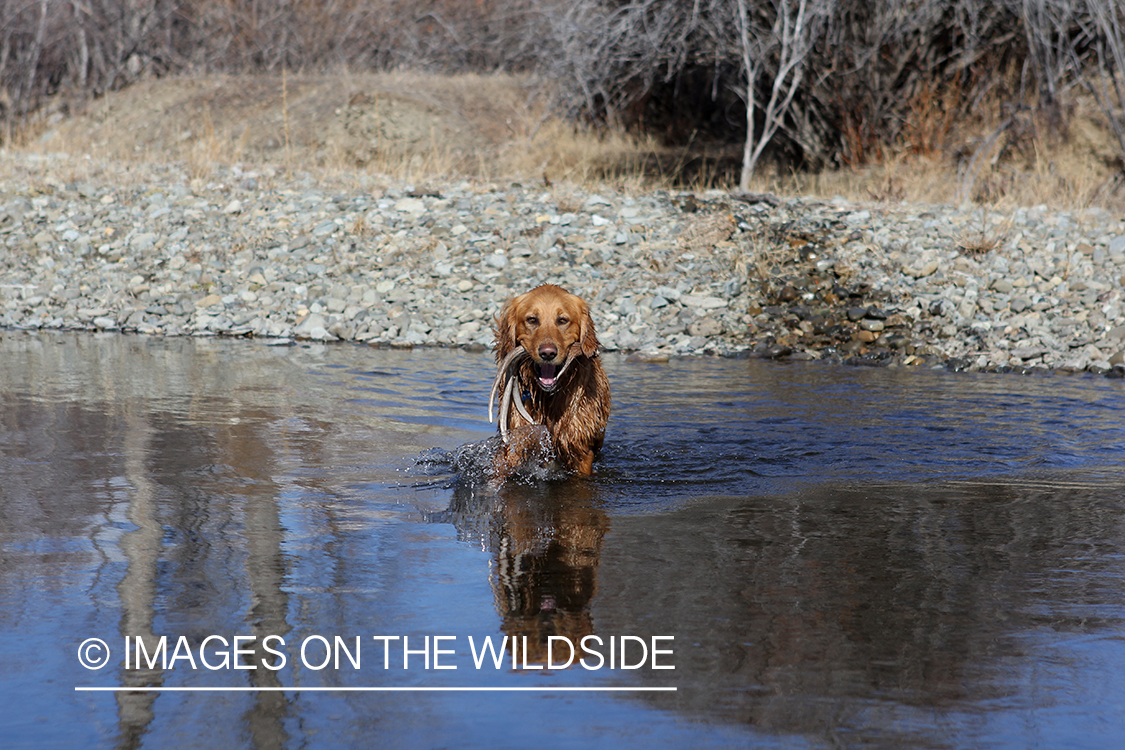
[[548, 369]]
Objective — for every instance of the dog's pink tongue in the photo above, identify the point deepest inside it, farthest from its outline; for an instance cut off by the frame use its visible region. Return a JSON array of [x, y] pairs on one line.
[[547, 373]]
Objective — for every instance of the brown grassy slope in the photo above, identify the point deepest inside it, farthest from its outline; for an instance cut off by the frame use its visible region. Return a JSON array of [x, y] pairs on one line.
[[417, 126]]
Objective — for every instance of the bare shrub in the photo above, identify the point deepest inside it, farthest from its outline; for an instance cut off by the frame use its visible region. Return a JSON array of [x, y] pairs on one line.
[[803, 84], [1103, 26], [817, 82], [80, 48], [787, 42]]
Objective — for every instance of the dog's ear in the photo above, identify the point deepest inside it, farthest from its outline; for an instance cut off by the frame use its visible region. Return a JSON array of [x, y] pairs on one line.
[[504, 329], [586, 334]]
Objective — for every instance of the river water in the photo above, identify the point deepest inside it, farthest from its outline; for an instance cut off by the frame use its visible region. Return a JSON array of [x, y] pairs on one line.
[[827, 556]]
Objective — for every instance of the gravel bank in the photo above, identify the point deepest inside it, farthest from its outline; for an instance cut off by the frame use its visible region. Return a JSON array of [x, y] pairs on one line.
[[148, 250]]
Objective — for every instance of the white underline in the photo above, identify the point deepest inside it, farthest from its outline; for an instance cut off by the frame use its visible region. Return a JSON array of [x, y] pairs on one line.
[[366, 689]]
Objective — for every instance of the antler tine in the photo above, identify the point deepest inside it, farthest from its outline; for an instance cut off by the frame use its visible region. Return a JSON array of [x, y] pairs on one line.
[[516, 354]]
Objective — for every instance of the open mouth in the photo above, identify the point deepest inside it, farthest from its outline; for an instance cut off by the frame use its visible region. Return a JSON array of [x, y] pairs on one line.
[[548, 375]]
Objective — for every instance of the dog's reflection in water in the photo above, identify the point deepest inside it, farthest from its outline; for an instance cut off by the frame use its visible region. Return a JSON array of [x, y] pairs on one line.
[[544, 528]]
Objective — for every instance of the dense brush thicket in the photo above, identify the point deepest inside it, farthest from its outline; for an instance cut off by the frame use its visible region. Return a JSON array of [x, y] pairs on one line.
[[829, 82]]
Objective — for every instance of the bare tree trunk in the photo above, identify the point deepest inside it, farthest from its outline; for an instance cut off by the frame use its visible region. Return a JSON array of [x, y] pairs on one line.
[[750, 68], [790, 39], [83, 63], [36, 50]]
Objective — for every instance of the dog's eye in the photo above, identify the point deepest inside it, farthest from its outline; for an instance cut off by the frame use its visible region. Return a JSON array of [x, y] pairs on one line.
[[532, 320], [563, 320]]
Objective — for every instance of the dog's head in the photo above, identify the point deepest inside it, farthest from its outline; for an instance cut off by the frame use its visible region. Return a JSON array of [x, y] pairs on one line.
[[552, 325]]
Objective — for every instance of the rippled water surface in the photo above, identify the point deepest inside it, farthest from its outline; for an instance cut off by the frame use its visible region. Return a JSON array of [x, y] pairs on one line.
[[834, 557]]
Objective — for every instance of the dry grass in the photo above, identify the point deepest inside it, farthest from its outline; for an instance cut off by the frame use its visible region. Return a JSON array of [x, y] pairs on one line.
[[762, 255], [560, 152], [984, 235], [404, 126], [418, 128], [210, 148], [1024, 164]]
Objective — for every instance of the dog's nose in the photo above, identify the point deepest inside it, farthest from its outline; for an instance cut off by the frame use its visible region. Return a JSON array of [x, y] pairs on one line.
[[548, 352]]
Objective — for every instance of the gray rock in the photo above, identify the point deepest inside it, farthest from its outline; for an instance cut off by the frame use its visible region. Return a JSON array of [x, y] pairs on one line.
[[705, 327], [314, 326], [142, 259], [704, 301]]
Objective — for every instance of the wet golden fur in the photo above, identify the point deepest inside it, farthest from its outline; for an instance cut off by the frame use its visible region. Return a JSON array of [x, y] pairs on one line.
[[549, 320]]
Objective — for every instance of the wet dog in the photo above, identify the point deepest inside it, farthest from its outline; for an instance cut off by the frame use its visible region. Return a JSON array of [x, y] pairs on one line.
[[550, 381]]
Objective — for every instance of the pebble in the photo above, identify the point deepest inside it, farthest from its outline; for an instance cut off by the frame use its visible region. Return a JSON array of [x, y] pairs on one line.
[[149, 249]]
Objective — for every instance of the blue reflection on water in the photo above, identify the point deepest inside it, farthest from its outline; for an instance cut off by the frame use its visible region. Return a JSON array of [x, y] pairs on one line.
[[844, 555]]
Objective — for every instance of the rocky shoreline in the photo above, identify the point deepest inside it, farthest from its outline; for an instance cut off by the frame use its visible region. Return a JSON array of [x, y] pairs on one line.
[[254, 253]]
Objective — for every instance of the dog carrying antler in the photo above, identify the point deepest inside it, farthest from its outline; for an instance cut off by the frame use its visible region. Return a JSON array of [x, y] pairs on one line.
[[549, 374]]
